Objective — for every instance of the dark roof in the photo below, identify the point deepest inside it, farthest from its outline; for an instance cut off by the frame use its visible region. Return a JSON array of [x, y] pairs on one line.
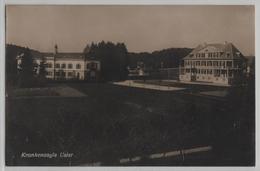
[[36, 54], [226, 48], [67, 55], [70, 55]]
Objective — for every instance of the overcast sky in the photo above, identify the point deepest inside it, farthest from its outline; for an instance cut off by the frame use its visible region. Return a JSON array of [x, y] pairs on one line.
[[141, 28]]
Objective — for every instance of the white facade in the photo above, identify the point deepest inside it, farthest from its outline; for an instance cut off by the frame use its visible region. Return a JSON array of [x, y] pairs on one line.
[[213, 63], [66, 66]]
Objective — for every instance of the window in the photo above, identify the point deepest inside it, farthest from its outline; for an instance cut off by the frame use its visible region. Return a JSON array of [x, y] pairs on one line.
[[203, 55], [229, 63], [70, 74], [49, 65], [57, 65], [63, 66], [203, 63], [78, 66], [70, 66], [230, 73], [223, 72], [57, 73], [228, 55], [217, 73], [63, 74], [93, 65], [209, 63], [197, 63], [49, 73]]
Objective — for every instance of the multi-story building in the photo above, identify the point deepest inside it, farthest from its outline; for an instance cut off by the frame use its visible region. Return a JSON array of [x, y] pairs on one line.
[[221, 64], [67, 66]]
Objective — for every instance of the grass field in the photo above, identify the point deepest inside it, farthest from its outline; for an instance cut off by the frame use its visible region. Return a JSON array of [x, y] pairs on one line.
[[113, 122]]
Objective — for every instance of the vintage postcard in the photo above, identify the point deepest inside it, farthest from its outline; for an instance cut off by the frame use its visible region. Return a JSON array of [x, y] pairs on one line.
[[130, 85]]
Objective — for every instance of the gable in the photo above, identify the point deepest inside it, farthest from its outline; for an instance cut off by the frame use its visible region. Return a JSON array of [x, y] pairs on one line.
[[209, 49]]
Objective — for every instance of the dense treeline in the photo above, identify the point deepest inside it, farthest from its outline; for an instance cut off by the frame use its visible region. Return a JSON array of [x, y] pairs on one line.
[[10, 63], [24, 75], [166, 58], [113, 58]]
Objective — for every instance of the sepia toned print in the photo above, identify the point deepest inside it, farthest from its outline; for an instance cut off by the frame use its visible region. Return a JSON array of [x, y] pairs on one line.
[[129, 85]]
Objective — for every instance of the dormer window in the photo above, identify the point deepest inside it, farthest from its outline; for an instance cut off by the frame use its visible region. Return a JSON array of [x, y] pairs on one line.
[[228, 55], [238, 53]]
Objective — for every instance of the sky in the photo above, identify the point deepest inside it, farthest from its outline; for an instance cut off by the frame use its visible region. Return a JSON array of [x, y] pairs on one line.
[[142, 28]]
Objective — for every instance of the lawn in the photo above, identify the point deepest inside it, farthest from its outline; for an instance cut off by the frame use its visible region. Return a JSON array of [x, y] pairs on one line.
[[112, 122]]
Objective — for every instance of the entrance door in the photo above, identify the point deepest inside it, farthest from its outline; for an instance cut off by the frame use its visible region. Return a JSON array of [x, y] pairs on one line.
[[193, 74]]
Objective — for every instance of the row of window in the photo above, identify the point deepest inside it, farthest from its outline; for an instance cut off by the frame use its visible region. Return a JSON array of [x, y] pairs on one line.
[[62, 74], [209, 78], [216, 72], [208, 63], [70, 66], [209, 55]]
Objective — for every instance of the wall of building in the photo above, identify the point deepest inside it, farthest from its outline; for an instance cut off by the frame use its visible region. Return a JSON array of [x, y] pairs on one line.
[[67, 68], [212, 71]]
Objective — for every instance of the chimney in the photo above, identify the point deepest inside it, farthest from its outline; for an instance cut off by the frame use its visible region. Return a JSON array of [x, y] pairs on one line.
[[56, 48]]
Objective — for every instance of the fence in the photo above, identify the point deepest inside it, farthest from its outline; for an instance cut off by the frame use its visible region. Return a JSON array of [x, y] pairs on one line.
[[159, 74]]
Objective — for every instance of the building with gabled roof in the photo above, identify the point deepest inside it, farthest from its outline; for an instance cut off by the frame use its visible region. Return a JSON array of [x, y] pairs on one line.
[[66, 66], [221, 64]]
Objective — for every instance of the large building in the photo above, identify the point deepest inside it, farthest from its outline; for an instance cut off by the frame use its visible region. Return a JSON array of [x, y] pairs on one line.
[[221, 64], [66, 66]]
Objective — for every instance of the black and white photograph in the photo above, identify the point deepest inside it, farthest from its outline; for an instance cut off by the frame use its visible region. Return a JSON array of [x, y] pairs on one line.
[[130, 85]]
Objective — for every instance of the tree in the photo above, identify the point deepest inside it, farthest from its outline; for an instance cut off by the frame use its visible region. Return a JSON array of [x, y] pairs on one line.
[[42, 71], [113, 58], [11, 64], [26, 74]]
